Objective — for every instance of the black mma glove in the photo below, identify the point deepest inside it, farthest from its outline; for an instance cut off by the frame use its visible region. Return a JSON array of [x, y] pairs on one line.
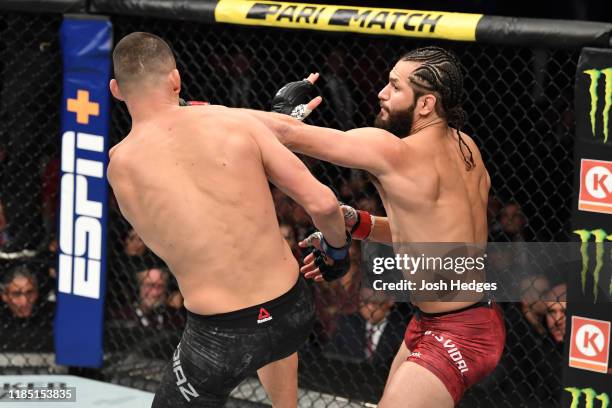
[[340, 256], [292, 99]]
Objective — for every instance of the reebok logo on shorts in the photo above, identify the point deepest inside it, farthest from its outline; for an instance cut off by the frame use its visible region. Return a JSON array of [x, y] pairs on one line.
[[264, 316], [452, 351]]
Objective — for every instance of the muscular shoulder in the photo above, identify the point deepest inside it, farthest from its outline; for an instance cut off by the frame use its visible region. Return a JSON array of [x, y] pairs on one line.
[[381, 135], [485, 180], [232, 128], [118, 161], [388, 146], [223, 118], [474, 148]]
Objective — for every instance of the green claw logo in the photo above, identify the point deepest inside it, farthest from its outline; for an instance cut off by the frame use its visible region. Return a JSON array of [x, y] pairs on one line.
[[590, 396], [600, 236], [594, 75]]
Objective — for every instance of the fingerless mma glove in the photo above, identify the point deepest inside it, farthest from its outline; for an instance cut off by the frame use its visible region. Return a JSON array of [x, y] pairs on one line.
[[340, 256], [292, 99]]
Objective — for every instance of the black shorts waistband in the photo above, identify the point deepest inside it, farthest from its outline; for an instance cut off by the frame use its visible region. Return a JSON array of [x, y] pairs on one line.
[[253, 316], [487, 303]]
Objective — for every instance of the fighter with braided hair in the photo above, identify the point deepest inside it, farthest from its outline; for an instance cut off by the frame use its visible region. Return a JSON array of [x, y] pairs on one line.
[[434, 187]]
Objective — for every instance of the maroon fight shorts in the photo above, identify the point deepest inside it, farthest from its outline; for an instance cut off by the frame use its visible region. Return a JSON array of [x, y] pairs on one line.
[[459, 347]]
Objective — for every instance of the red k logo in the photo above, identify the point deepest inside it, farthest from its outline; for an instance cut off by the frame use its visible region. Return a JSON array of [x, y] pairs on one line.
[[595, 186], [590, 344]]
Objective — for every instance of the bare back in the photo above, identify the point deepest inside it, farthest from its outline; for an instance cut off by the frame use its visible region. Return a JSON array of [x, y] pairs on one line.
[[193, 185], [429, 195]]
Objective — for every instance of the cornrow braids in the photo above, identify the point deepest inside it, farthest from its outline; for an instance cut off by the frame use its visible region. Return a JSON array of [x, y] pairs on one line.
[[440, 72]]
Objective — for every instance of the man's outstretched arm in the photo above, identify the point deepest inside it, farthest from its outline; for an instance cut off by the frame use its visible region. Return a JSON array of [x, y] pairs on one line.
[[371, 149]]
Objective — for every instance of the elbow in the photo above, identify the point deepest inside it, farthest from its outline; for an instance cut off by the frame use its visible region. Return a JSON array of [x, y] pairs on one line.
[[324, 205], [286, 130]]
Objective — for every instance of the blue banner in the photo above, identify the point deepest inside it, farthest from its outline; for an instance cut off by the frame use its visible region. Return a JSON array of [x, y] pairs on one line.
[[79, 321]]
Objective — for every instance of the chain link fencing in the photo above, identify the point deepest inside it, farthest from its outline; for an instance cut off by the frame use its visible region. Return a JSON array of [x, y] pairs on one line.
[[519, 105], [30, 95]]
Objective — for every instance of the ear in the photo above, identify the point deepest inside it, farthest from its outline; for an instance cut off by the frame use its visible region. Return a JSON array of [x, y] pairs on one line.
[[114, 88], [175, 81], [426, 104]]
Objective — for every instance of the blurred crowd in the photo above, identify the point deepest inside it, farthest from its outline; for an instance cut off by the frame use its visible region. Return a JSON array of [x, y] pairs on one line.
[[355, 325]]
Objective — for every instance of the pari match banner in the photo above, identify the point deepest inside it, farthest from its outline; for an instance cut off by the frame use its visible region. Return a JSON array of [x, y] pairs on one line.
[[588, 366], [86, 48], [366, 20]]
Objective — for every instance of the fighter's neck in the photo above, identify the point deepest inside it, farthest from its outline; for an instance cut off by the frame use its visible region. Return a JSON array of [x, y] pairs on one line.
[[432, 123], [145, 109]]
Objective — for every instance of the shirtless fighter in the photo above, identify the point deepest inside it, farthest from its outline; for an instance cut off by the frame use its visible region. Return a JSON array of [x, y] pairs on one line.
[[193, 182], [434, 187]]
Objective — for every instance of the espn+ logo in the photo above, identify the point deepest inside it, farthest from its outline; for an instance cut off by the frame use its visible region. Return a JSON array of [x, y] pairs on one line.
[[80, 238], [595, 75]]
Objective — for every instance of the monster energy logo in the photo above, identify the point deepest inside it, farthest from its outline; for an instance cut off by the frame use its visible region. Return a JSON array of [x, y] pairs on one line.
[[594, 75], [590, 396], [600, 236]]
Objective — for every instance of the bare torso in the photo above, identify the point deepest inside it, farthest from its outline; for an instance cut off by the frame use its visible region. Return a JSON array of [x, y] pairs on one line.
[[431, 197], [193, 186]]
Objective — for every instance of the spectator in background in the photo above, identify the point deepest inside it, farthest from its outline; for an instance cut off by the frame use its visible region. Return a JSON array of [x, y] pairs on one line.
[[133, 244], [362, 186], [556, 305], [239, 68], [369, 204], [21, 309], [151, 309], [289, 235], [4, 237], [371, 335], [133, 255], [494, 206], [50, 183], [302, 224], [284, 206], [533, 289], [19, 293], [338, 90], [345, 194], [340, 297], [25, 323], [513, 223], [52, 256]]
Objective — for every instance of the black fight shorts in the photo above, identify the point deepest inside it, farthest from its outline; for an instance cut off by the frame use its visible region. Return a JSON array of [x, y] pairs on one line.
[[217, 352]]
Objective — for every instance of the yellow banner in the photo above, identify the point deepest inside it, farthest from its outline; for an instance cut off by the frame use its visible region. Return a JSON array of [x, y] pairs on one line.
[[367, 20]]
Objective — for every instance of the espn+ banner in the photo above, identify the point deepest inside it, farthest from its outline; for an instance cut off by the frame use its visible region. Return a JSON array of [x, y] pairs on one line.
[[86, 46], [588, 369]]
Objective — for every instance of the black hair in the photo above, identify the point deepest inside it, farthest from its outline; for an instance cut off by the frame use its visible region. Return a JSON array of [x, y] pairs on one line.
[[440, 72], [18, 271]]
